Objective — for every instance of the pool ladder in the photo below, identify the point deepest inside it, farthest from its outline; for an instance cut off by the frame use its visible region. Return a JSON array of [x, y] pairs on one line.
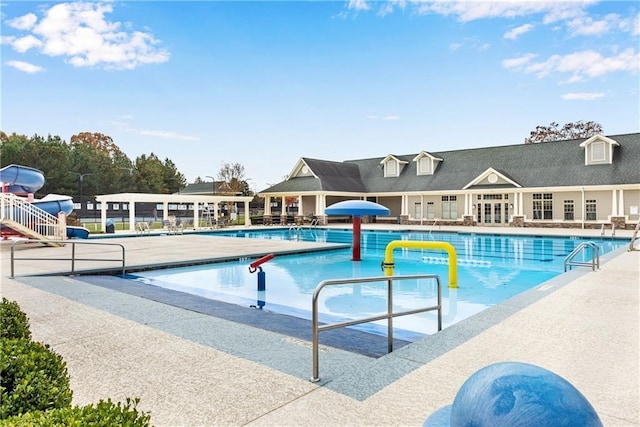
[[595, 258], [389, 315], [295, 231]]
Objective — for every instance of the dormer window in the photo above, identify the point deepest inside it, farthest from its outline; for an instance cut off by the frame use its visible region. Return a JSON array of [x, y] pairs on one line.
[[391, 169], [392, 166], [598, 150], [426, 164]]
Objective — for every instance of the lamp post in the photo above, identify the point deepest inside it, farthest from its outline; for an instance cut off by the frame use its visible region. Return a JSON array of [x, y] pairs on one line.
[[81, 176], [213, 184]]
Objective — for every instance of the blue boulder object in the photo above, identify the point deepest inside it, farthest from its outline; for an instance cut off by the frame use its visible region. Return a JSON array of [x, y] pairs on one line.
[[516, 394]]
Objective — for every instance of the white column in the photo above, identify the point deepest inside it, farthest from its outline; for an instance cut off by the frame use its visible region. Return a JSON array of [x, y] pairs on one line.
[[165, 211], [614, 203], [103, 216], [521, 203], [300, 207], [196, 214], [582, 208], [247, 216], [132, 216], [621, 203], [284, 206], [215, 211], [267, 205], [403, 205]]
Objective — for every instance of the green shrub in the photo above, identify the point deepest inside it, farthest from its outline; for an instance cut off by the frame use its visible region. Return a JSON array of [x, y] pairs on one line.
[[32, 378], [15, 323], [102, 414]]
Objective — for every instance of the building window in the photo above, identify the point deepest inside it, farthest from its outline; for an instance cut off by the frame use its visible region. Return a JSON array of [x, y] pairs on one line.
[[424, 166], [598, 151], [449, 207], [569, 210], [590, 209], [417, 210], [390, 168], [431, 210], [542, 206]]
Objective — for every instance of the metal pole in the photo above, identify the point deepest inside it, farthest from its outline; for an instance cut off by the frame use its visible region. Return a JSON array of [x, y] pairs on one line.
[[73, 257], [390, 315], [439, 303], [314, 335]]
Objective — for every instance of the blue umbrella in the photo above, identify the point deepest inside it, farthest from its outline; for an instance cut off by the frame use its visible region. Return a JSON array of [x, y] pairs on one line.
[[356, 208]]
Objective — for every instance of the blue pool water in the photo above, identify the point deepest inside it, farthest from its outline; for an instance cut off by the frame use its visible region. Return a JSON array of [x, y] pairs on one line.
[[491, 269]]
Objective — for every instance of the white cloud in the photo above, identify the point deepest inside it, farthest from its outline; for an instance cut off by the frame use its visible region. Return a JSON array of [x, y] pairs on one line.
[[582, 96], [358, 5], [634, 24], [471, 43], [518, 62], [25, 67], [514, 33], [81, 34], [7, 39], [25, 43], [24, 22], [581, 65], [467, 11], [167, 135], [587, 26]]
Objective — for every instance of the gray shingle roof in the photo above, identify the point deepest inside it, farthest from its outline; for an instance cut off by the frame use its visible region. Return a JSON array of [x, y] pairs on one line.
[[550, 164]]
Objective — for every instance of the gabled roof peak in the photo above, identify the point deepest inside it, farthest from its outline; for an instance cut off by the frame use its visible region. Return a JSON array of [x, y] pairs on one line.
[[426, 154], [598, 137], [392, 157]]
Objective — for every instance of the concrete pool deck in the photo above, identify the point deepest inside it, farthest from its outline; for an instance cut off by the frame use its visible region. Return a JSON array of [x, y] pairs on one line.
[[190, 368]]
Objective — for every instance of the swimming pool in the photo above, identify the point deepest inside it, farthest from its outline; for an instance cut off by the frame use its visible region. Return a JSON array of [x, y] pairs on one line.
[[491, 269]]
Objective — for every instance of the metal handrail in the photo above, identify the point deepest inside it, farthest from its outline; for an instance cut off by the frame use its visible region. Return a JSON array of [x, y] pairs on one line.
[[73, 258], [595, 258], [613, 229], [389, 315], [602, 231], [296, 230], [634, 237]]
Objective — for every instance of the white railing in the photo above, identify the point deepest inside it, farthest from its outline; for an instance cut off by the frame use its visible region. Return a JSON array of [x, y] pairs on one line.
[[27, 215]]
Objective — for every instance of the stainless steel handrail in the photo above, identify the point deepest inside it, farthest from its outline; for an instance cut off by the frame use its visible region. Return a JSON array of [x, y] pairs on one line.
[[73, 258], [389, 315], [595, 258], [634, 237]]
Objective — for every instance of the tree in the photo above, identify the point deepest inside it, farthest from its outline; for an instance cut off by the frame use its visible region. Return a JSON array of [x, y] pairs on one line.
[[575, 130], [100, 142], [233, 176]]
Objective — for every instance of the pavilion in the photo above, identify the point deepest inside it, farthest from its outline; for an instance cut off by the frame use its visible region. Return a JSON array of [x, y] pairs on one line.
[[198, 202]]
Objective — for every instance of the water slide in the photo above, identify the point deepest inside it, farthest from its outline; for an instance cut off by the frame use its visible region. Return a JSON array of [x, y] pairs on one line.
[[24, 181]]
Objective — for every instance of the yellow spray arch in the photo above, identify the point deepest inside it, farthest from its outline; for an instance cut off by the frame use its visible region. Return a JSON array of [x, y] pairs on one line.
[[388, 263]]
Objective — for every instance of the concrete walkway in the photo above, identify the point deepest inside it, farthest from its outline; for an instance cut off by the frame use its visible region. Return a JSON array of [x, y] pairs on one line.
[[190, 368]]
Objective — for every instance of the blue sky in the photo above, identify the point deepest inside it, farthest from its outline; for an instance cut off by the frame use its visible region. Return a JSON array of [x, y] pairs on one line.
[[264, 83]]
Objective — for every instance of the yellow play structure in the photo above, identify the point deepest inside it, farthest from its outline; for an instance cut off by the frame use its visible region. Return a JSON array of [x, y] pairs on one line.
[[388, 263]]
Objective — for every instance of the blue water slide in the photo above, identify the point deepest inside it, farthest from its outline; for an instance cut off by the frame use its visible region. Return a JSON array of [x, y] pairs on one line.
[[54, 203], [21, 179]]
